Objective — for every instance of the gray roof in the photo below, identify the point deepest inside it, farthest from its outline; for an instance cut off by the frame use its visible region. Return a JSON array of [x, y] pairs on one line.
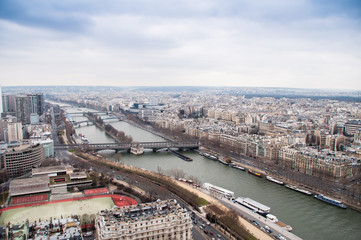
[[29, 185], [77, 175], [48, 170]]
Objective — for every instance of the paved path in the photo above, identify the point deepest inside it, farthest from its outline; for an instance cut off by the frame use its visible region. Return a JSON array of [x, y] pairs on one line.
[[261, 220]]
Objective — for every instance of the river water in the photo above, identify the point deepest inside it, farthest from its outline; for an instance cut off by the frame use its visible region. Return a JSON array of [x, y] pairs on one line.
[[309, 217]]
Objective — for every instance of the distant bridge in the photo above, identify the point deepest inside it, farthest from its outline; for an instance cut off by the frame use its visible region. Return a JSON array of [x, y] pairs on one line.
[[126, 146], [89, 122], [82, 113]]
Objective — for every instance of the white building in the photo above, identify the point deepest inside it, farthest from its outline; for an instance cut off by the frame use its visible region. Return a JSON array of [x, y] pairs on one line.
[[48, 146], [156, 220], [15, 131]]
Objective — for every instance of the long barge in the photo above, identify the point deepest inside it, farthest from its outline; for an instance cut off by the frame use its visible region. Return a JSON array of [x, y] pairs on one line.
[[269, 178], [210, 156], [330, 201], [253, 205], [293, 187], [181, 156], [237, 167], [255, 173]]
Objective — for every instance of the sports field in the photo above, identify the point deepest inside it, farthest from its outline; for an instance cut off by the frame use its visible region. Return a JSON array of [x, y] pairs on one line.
[[29, 199], [56, 210], [95, 191]]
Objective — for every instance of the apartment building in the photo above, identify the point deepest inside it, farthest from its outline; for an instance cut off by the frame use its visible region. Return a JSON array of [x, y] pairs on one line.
[[156, 220]]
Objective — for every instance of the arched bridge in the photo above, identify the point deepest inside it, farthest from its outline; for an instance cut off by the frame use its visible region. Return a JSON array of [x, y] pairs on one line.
[[126, 146]]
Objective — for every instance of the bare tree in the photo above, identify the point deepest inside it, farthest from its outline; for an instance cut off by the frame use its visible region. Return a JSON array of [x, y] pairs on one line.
[[50, 162], [195, 180], [160, 170], [176, 173]]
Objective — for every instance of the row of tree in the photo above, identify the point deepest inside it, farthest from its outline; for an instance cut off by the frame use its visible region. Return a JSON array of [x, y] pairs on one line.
[[119, 135]]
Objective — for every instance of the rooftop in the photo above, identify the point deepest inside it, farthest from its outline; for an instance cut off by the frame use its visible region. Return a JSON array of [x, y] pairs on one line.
[[141, 212], [77, 175], [29, 185], [47, 170]]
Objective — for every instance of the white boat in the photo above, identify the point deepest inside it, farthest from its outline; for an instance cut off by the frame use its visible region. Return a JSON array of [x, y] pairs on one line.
[[293, 187], [274, 180], [274, 219], [136, 149], [253, 205], [218, 191], [223, 160], [237, 167]]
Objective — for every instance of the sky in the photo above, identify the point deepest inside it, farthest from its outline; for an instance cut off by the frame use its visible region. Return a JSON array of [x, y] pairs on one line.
[[263, 43]]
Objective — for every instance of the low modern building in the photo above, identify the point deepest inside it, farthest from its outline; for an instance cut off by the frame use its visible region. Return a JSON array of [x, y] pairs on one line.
[[50, 171], [26, 186], [156, 220]]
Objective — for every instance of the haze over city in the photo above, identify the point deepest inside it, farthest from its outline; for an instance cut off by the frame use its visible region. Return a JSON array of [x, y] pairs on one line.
[[298, 44]]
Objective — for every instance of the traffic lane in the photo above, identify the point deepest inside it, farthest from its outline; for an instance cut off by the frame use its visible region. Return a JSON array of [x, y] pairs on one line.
[[262, 221], [204, 224], [197, 234], [144, 183]]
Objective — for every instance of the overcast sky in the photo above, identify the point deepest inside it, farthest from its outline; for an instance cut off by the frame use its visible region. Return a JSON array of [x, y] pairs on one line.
[[261, 43]]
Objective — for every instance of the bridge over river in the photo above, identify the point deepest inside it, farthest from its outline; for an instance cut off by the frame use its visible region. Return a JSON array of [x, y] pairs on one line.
[[126, 146]]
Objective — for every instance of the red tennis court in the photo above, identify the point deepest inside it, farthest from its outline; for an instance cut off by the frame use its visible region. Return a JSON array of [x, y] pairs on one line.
[[95, 191], [29, 199], [121, 201]]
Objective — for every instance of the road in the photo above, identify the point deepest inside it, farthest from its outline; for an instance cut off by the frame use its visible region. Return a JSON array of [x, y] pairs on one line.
[[159, 192], [262, 221]]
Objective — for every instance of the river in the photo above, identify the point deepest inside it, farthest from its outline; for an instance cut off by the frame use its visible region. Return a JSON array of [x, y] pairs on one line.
[[309, 217]]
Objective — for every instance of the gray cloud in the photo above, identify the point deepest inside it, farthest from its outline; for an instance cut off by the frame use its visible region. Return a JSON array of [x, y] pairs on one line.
[[243, 43]]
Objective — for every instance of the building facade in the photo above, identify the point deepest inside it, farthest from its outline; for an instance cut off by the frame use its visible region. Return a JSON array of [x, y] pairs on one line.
[[15, 131], [20, 160], [22, 106], [157, 220]]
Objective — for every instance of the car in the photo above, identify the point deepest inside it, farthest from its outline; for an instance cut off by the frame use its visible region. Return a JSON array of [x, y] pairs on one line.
[[255, 223], [211, 233], [268, 229], [219, 235], [208, 223], [205, 231], [280, 237]]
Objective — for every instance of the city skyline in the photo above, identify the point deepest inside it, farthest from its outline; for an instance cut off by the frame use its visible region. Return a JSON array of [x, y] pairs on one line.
[[298, 44]]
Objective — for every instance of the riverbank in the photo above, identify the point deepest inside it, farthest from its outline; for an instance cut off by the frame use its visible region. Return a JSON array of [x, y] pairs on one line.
[[148, 129], [256, 232], [285, 180], [182, 190]]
